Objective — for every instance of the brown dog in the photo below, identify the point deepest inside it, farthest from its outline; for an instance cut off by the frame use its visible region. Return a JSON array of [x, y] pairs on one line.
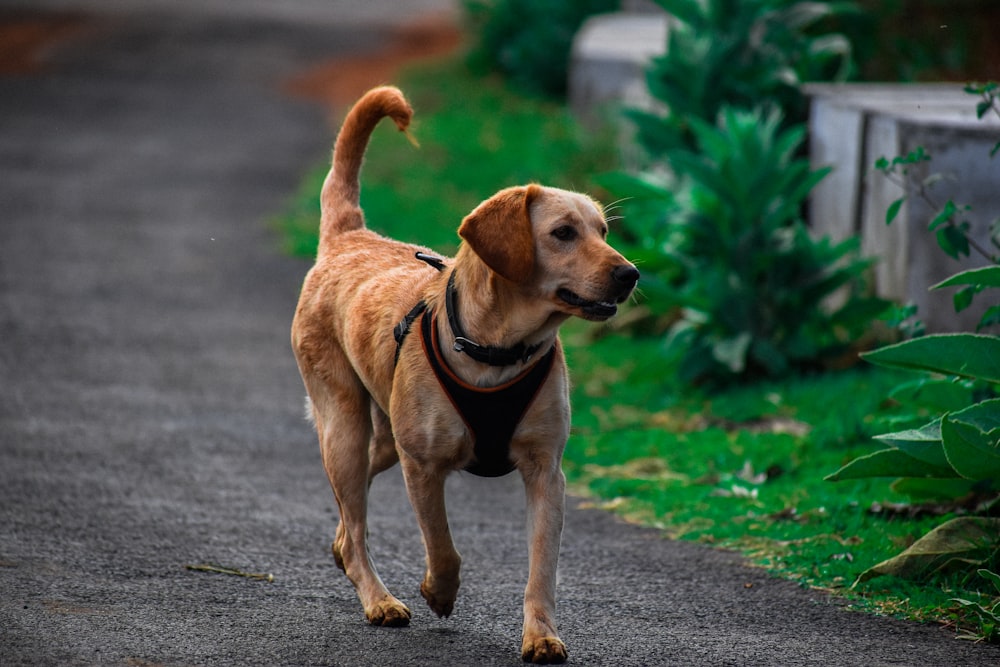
[[531, 258]]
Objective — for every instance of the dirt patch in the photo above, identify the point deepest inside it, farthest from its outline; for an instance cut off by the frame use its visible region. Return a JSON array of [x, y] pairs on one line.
[[339, 82], [26, 38]]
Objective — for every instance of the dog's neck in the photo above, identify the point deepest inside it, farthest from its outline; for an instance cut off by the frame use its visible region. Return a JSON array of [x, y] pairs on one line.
[[493, 312]]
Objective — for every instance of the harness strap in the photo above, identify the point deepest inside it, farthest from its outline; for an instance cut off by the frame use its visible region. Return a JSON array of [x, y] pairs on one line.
[[491, 414], [401, 330]]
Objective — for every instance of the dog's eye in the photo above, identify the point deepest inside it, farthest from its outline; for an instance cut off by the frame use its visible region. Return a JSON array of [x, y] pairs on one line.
[[564, 233]]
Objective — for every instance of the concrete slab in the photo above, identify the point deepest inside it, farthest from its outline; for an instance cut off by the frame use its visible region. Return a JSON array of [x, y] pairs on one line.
[[608, 61], [851, 126]]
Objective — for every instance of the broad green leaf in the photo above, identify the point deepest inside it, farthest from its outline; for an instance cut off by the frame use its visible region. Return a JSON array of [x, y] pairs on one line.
[[966, 447], [991, 576], [961, 542], [923, 444], [988, 276], [893, 210], [943, 216], [970, 439], [984, 415], [889, 463], [967, 355], [938, 394], [963, 297], [953, 241]]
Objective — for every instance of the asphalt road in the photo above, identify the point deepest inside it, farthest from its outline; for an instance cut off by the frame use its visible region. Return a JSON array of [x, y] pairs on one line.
[[151, 412]]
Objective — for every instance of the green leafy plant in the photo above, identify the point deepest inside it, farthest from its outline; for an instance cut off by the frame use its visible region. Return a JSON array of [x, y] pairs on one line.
[[963, 443], [729, 268], [739, 53], [753, 281], [956, 544], [529, 40], [956, 453]]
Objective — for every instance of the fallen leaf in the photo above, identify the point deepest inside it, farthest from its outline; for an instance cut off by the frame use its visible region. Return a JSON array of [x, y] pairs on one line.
[[961, 542]]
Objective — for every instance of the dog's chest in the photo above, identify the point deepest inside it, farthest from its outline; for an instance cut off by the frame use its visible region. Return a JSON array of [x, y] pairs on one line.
[[491, 414]]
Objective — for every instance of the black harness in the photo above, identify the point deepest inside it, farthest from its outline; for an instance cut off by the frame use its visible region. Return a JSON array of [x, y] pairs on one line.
[[491, 414]]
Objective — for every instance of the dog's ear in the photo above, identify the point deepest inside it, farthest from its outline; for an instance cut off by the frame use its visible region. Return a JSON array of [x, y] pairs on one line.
[[499, 231]]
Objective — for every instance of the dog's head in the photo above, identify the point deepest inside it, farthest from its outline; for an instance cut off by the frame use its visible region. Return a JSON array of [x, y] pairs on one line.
[[552, 243]]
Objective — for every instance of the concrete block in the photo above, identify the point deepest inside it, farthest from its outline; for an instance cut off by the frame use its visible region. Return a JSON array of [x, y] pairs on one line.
[[851, 126], [608, 61]]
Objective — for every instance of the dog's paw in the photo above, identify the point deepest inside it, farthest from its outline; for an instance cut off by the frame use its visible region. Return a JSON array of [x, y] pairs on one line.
[[543, 651], [388, 613], [440, 598]]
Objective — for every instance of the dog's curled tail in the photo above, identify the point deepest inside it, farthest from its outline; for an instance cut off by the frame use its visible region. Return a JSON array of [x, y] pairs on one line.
[[340, 197]]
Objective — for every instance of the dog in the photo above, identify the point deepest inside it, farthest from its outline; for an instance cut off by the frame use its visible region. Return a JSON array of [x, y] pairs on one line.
[[448, 364]]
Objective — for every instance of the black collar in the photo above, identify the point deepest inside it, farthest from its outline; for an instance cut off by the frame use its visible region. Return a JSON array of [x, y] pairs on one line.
[[485, 354]]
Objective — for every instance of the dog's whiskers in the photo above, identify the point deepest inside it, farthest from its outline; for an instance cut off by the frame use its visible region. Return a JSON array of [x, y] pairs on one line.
[[616, 204]]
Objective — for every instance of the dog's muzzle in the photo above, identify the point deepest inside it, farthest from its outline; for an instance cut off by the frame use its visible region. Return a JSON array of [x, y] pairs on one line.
[[624, 278]]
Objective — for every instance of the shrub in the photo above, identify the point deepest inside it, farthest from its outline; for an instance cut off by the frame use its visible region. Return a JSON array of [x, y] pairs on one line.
[[754, 280], [738, 53], [730, 254], [529, 40], [957, 453], [962, 444]]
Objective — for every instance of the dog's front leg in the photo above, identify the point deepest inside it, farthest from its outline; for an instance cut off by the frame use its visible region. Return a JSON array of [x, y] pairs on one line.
[[425, 487], [545, 492]]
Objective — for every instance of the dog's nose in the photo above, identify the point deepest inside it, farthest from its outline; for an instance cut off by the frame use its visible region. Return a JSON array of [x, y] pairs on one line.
[[625, 275]]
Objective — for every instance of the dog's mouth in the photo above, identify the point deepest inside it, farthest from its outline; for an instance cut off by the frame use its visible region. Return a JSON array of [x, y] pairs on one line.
[[592, 310]]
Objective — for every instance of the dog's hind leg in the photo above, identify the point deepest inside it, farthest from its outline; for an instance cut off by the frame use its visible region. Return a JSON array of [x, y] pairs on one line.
[[343, 421]]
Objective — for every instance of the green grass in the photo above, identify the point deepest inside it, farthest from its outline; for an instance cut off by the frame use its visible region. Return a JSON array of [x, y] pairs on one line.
[[743, 469]]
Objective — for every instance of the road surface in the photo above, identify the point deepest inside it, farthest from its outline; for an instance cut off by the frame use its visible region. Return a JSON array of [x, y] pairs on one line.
[[151, 412]]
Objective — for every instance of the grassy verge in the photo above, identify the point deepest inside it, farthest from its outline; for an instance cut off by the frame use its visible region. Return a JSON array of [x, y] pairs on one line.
[[742, 470]]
